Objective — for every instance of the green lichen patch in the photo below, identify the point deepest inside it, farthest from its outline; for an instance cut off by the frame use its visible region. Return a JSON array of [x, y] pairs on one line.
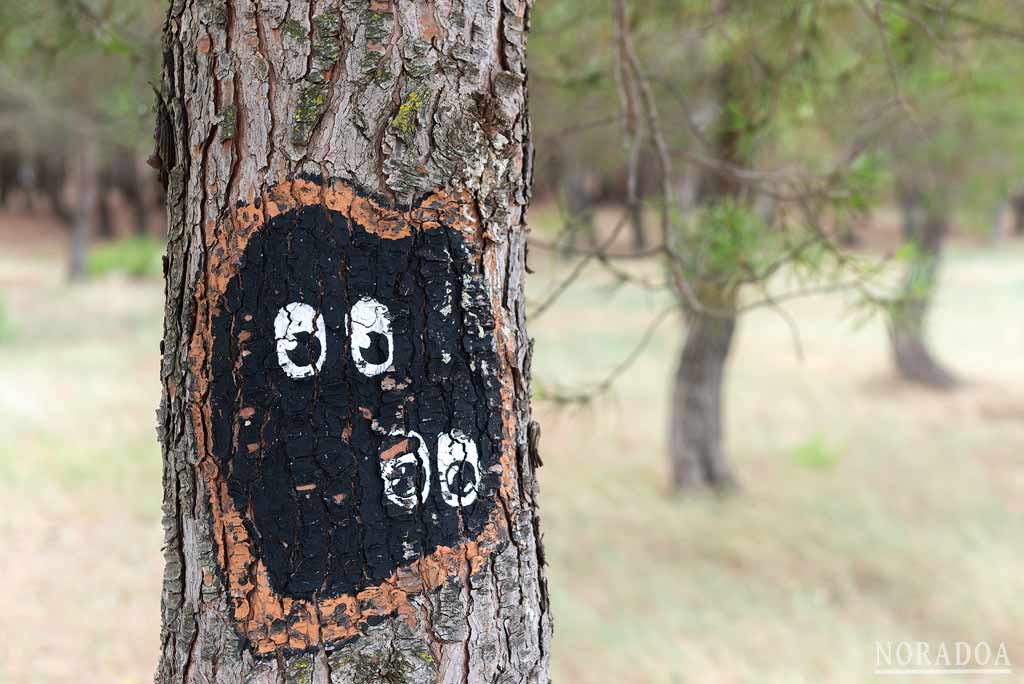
[[378, 26], [418, 71], [383, 75], [300, 671], [326, 49], [370, 60], [389, 667], [310, 107], [326, 44], [383, 665], [294, 30], [407, 118], [227, 123]]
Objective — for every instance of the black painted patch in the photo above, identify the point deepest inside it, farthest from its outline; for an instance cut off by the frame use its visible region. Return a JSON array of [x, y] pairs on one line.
[[302, 455]]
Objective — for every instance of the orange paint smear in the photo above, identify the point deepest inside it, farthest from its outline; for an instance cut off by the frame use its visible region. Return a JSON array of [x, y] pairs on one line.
[[271, 622]]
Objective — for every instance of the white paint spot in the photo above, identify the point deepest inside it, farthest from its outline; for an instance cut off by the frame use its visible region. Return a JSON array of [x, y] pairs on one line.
[[370, 316], [458, 465], [401, 473], [292, 320], [446, 308]]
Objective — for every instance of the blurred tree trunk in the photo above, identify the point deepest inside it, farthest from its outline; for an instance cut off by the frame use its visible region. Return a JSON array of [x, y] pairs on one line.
[[638, 229], [105, 223], [52, 178], [696, 434], [1016, 203], [637, 226], [298, 108], [696, 440], [121, 175], [925, 226], [86, 194], [579, 197]]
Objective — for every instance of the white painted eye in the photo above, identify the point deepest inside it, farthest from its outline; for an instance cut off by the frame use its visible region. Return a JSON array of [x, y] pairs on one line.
[[402, 472], [293, 320], [369, 325], [458, 465]]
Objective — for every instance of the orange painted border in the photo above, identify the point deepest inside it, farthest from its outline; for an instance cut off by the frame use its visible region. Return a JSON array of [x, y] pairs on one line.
[[267, 621]]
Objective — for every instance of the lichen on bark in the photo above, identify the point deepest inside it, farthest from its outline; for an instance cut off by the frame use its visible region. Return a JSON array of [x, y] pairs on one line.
[[324, 49]]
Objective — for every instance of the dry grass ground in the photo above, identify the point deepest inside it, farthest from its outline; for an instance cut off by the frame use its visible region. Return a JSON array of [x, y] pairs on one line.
[[870, 511]]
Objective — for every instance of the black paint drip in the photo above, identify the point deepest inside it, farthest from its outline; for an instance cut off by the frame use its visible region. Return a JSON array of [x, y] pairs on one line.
[[303, 455]]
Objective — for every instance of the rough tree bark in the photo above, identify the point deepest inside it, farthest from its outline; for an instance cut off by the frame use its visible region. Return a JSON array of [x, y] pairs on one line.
[[925, 226], [349, 488]]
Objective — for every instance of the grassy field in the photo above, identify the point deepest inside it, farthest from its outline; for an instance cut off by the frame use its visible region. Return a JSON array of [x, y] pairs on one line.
[[870, 511]]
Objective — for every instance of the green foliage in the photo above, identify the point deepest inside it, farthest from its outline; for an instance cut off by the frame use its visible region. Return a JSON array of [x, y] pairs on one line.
[[727, 242], [817, 453], [137, 257], [84, 67], [863, 182], [405, 120]]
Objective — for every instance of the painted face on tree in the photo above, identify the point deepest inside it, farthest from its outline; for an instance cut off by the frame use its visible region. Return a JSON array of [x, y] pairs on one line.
[[355, 413]]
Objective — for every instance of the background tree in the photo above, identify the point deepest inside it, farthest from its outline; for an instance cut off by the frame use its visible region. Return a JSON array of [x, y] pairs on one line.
[[747, 224], [941, 160], [348, 453], [75, 108], [785, 122]]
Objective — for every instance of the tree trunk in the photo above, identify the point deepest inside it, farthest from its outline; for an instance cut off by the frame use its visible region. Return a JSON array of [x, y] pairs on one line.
[[638, 165], [86, 194], [579, 197], [105, 222], [637, 227], [925, 226], [1016, 202], [696, 446], [349, 488]]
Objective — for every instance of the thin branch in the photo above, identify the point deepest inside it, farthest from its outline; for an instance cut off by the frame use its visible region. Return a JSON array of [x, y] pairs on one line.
[[577, 269], [603, 386]]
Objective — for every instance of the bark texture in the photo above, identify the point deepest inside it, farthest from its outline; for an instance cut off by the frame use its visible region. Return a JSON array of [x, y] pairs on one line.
[[925, 226], [388, 126]]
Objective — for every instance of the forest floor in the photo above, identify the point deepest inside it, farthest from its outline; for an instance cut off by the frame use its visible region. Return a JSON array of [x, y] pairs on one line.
[[869, 511]]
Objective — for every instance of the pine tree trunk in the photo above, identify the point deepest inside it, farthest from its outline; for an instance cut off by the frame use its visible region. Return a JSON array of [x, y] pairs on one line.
[[637, 227], [1016, 203], [697, 453], [86, 196], [349, 489], [696, 446], [925, 227]]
